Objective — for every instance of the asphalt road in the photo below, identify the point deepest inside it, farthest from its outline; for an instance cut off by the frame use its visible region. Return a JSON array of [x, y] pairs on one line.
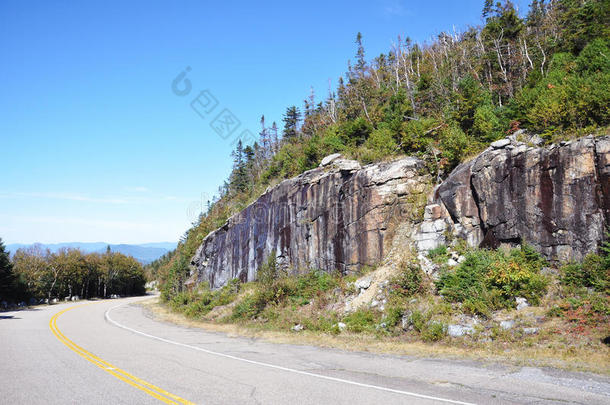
[[112, 352]]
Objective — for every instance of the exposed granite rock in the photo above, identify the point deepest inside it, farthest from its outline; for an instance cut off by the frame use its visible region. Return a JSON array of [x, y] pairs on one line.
[[332, 217], [556, 198], [336, 217], [329, 159]]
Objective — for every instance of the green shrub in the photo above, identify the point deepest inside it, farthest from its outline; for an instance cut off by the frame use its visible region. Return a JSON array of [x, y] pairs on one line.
[[251, 306], [488, 280], [486, 124], [362, 320], [332, 141], [408, 281], [455, 145], [299, 289], [591, 273], [430, 330], [310, 284], [197, 304], [393, 315], [434, 331], [418, 319], [439, 255], [416, 134], [379, 145], [268, 271]]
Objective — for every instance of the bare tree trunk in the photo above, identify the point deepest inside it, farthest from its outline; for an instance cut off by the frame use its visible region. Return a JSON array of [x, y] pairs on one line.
[[55, 274], [527, 55], [366, 112], [543, 57]]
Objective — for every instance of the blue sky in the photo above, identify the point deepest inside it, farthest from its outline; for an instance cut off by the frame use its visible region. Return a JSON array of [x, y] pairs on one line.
[[95, 144]]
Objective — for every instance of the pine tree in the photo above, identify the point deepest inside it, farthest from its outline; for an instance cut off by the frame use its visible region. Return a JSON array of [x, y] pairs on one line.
[[360, 58], [291, 122], [239, 176]]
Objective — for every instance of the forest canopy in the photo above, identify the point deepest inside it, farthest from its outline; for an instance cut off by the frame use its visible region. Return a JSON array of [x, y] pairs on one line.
[[35, 274]]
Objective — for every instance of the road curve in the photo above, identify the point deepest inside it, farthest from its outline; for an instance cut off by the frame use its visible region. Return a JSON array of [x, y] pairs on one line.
[[112, 352]]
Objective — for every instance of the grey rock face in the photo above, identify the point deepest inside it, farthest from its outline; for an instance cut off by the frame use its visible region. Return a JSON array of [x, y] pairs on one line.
[[336, 217], [556, 198], [331, 218]]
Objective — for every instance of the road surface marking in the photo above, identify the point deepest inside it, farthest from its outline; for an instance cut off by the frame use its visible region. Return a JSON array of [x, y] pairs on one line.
[[122, 375], [290, 370]]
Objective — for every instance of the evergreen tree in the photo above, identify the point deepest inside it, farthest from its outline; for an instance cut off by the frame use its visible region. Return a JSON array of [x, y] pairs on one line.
[[8, 280], [360, 58], [291, 122], [239, 177], [265, 140]]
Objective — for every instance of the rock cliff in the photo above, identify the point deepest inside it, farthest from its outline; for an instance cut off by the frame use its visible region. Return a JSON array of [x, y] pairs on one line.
[[333, 217], [337, 216], [555, 198]]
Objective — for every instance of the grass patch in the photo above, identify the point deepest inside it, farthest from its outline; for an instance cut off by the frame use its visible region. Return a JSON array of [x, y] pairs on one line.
[[362, 320], [439, 255]]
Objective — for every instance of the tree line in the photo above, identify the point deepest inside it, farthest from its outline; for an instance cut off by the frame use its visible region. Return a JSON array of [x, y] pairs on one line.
[[34, 274], [548, 72], [442, 100]]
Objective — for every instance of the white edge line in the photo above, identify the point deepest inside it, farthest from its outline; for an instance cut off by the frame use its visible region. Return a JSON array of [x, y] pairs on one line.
[[269, 365]]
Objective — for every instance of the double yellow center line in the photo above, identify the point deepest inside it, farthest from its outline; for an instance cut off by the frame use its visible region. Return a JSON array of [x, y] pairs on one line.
[[122, 375]]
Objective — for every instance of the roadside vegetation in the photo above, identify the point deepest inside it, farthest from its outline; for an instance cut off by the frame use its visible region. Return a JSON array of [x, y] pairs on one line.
[[562, 312], [34, 275]]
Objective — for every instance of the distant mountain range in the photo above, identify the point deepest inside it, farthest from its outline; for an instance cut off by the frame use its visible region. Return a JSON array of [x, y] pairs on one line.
[[144, 253]]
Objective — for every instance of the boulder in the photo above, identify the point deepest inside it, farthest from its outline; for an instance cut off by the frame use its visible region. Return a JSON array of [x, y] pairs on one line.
[[363, 283], [329, 159], [502, 143], [521, 303], [506, 325], [459, 330]]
